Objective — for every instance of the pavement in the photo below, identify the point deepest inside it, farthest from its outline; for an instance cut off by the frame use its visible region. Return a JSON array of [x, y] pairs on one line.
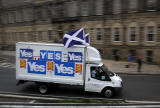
[[118, 66]]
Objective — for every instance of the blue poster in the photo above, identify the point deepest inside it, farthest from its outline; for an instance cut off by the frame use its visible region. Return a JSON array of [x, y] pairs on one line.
[[58, 56], [26, 53], [75, 57], [50, 55], [43, 55], [64, 69], [36, 66]]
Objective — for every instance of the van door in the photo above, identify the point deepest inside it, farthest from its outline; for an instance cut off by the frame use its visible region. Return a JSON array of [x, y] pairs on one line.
[[93, 81]]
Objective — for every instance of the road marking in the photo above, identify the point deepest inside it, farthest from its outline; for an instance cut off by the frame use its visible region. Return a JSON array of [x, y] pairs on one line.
[[145, 102], [13, 66], [29, 97], [4, 64], [46, 97], [9, 65], [33, 101], [74, 106]]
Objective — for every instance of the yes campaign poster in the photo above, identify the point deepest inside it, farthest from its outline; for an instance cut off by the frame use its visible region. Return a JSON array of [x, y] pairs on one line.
[[58, 56], [43, 55], [36, 66], [65, 69], [50, 55], [26, 53], [75, 57]]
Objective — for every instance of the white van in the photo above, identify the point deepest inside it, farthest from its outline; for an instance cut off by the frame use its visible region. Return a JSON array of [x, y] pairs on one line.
[[46, 64]]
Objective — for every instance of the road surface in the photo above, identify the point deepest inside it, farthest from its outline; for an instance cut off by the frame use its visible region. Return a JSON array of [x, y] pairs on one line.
[[136, 87]]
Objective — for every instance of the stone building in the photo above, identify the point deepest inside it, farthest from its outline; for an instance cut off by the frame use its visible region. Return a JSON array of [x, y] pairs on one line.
[[124, 27]]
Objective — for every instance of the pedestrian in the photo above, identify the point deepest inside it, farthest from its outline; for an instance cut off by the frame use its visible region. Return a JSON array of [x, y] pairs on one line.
[[139, 63], [130, 59]]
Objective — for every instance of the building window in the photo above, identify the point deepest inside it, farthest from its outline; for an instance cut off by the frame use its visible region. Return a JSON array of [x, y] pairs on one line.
[[40, 35], [4, 17], [116, 6], [72, 9], [30, 36], [99, 34], [91, 30], [98, 7], [28, 14], [149, 56], [11, 17], [38, 12], [116, 34], [60, 33], [9, 37], [132, 33], [133, 5], [150, 33], [49, 35], [151, 3], [20, 15], [14, 36], [21, 35], [91, 33], [84, 8], [59, 11]]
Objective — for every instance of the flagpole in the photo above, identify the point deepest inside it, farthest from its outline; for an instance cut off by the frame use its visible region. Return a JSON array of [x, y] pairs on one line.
[[87, 53], [86, 45]]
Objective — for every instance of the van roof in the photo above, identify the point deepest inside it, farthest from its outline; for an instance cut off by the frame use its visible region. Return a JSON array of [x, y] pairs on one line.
[[48, 44]]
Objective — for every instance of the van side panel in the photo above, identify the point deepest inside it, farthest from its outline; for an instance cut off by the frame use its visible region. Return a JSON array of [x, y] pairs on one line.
[[49, 63]]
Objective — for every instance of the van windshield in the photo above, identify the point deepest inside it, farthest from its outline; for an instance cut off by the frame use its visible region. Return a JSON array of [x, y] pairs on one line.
[[106, 70]]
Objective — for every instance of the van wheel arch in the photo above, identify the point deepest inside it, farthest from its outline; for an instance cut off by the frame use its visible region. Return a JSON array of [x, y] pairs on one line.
[[108, 92]]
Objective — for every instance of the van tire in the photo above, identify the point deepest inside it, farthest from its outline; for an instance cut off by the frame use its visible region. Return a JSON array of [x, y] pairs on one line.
[[108, 92], [43, 88]]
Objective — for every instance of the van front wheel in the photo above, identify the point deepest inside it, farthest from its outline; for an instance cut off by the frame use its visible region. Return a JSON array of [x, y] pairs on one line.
[[43, 88], [108, 92]]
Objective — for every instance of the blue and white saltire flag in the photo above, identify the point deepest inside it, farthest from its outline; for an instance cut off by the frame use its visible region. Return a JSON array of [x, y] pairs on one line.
[[74, 38], [87, 39]]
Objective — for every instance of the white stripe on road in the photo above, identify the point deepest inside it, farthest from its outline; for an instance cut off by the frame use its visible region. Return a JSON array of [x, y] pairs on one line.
[[74, 106], [33, 96], [28, 97], [13, 66], [144, 102], [33, 101], [5, 65]]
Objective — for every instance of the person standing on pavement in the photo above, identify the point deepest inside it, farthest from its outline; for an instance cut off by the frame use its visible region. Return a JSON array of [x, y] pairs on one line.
[[139, 63], [130, 59]]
